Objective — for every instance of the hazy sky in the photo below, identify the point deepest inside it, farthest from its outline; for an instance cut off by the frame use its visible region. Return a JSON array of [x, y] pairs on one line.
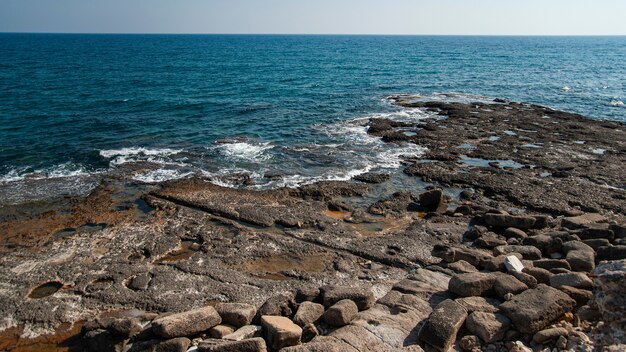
[[316, 16]]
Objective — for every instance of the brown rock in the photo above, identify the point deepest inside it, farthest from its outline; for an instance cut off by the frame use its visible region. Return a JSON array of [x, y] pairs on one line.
[[577, 280], [236, 314], [341, 313], [280, 331], [256, 344], [219, 331], [534, 309], [471, 284], [489, 327], [443, 324], [186, 323], [364, 298], [308, 312]]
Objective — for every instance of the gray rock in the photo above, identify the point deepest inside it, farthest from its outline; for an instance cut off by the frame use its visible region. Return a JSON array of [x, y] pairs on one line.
[[489, 327], [341, 313], [512, 232], [236, 314], [610, 291], [462, 267], [280, 331], [308, 312], [178, 344], [551, 334], [527, 252], [244, 332], [186, 323], [479, 304], [505, 284], [611, 253], [219, 331], [517, 221], [443, 324], [582, 297], [282, 304], [364, 298], [551, 264], [577, 280], [140, 282], [256, 344], [576, 222], [371, 177], [542, 275], [471, 284], [534, 309]]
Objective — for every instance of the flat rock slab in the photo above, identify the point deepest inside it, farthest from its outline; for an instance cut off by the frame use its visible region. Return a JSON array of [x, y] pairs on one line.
[[534, 309], [186, 323], [472, 284], [363, 297], [443, 324]]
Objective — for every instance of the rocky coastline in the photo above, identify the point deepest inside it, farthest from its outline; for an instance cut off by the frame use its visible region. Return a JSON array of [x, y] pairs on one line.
[[509, 234]]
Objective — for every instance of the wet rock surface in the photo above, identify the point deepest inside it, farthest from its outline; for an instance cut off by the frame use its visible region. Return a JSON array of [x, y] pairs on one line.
[[421, 253]]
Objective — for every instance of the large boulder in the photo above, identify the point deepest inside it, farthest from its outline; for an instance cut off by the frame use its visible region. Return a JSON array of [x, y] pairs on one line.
[[505, 221], [186, 323], [280, 331], [443, 324], [577, 280], [471, 284], [363, 297], [534, 309], [580, 256], [576, 222], [236, 314], [489, 327], [341, 313], [308, 312]]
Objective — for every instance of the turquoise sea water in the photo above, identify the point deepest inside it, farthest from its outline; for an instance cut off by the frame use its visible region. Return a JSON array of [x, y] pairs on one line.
[[77, 105]]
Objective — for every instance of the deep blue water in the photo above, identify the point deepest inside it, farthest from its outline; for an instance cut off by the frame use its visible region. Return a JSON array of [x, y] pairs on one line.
[[77, 104]]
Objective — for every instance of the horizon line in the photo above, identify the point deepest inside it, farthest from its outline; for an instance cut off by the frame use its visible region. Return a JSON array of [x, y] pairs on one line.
[[325, 34]]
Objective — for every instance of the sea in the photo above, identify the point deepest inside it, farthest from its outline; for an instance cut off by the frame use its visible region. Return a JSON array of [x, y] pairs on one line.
[[261, 111]]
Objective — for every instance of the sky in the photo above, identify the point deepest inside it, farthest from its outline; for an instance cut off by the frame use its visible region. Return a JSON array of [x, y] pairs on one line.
[[468, 17]]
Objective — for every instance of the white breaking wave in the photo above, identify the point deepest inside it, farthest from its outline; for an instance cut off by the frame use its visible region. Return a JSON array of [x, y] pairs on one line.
[[249, 151], [64, 170], [616, 102], [138, 151], [161, 175], [137, 154]]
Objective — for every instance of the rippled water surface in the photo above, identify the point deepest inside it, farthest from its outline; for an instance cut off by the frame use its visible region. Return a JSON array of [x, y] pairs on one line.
[[293, 106]]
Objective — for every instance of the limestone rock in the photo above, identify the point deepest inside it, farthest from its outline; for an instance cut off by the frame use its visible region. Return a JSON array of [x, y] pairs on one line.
[[236, 314], [505, 284], [244, 332], [280, 331], [610, 290], [219, 331], [256, 344], [551, 334], [364, 298], [582, 297], [186, 323], [512, 263], [503, 220], [534, 309], [576, 222], [341, 313], [479, 304], [489, 327], [308, 312], [542, 275], [471, 284], [443, 324], [577, 280]]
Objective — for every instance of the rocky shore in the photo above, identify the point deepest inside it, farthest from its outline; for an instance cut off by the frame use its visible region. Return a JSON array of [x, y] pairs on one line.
[[508, 235]]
